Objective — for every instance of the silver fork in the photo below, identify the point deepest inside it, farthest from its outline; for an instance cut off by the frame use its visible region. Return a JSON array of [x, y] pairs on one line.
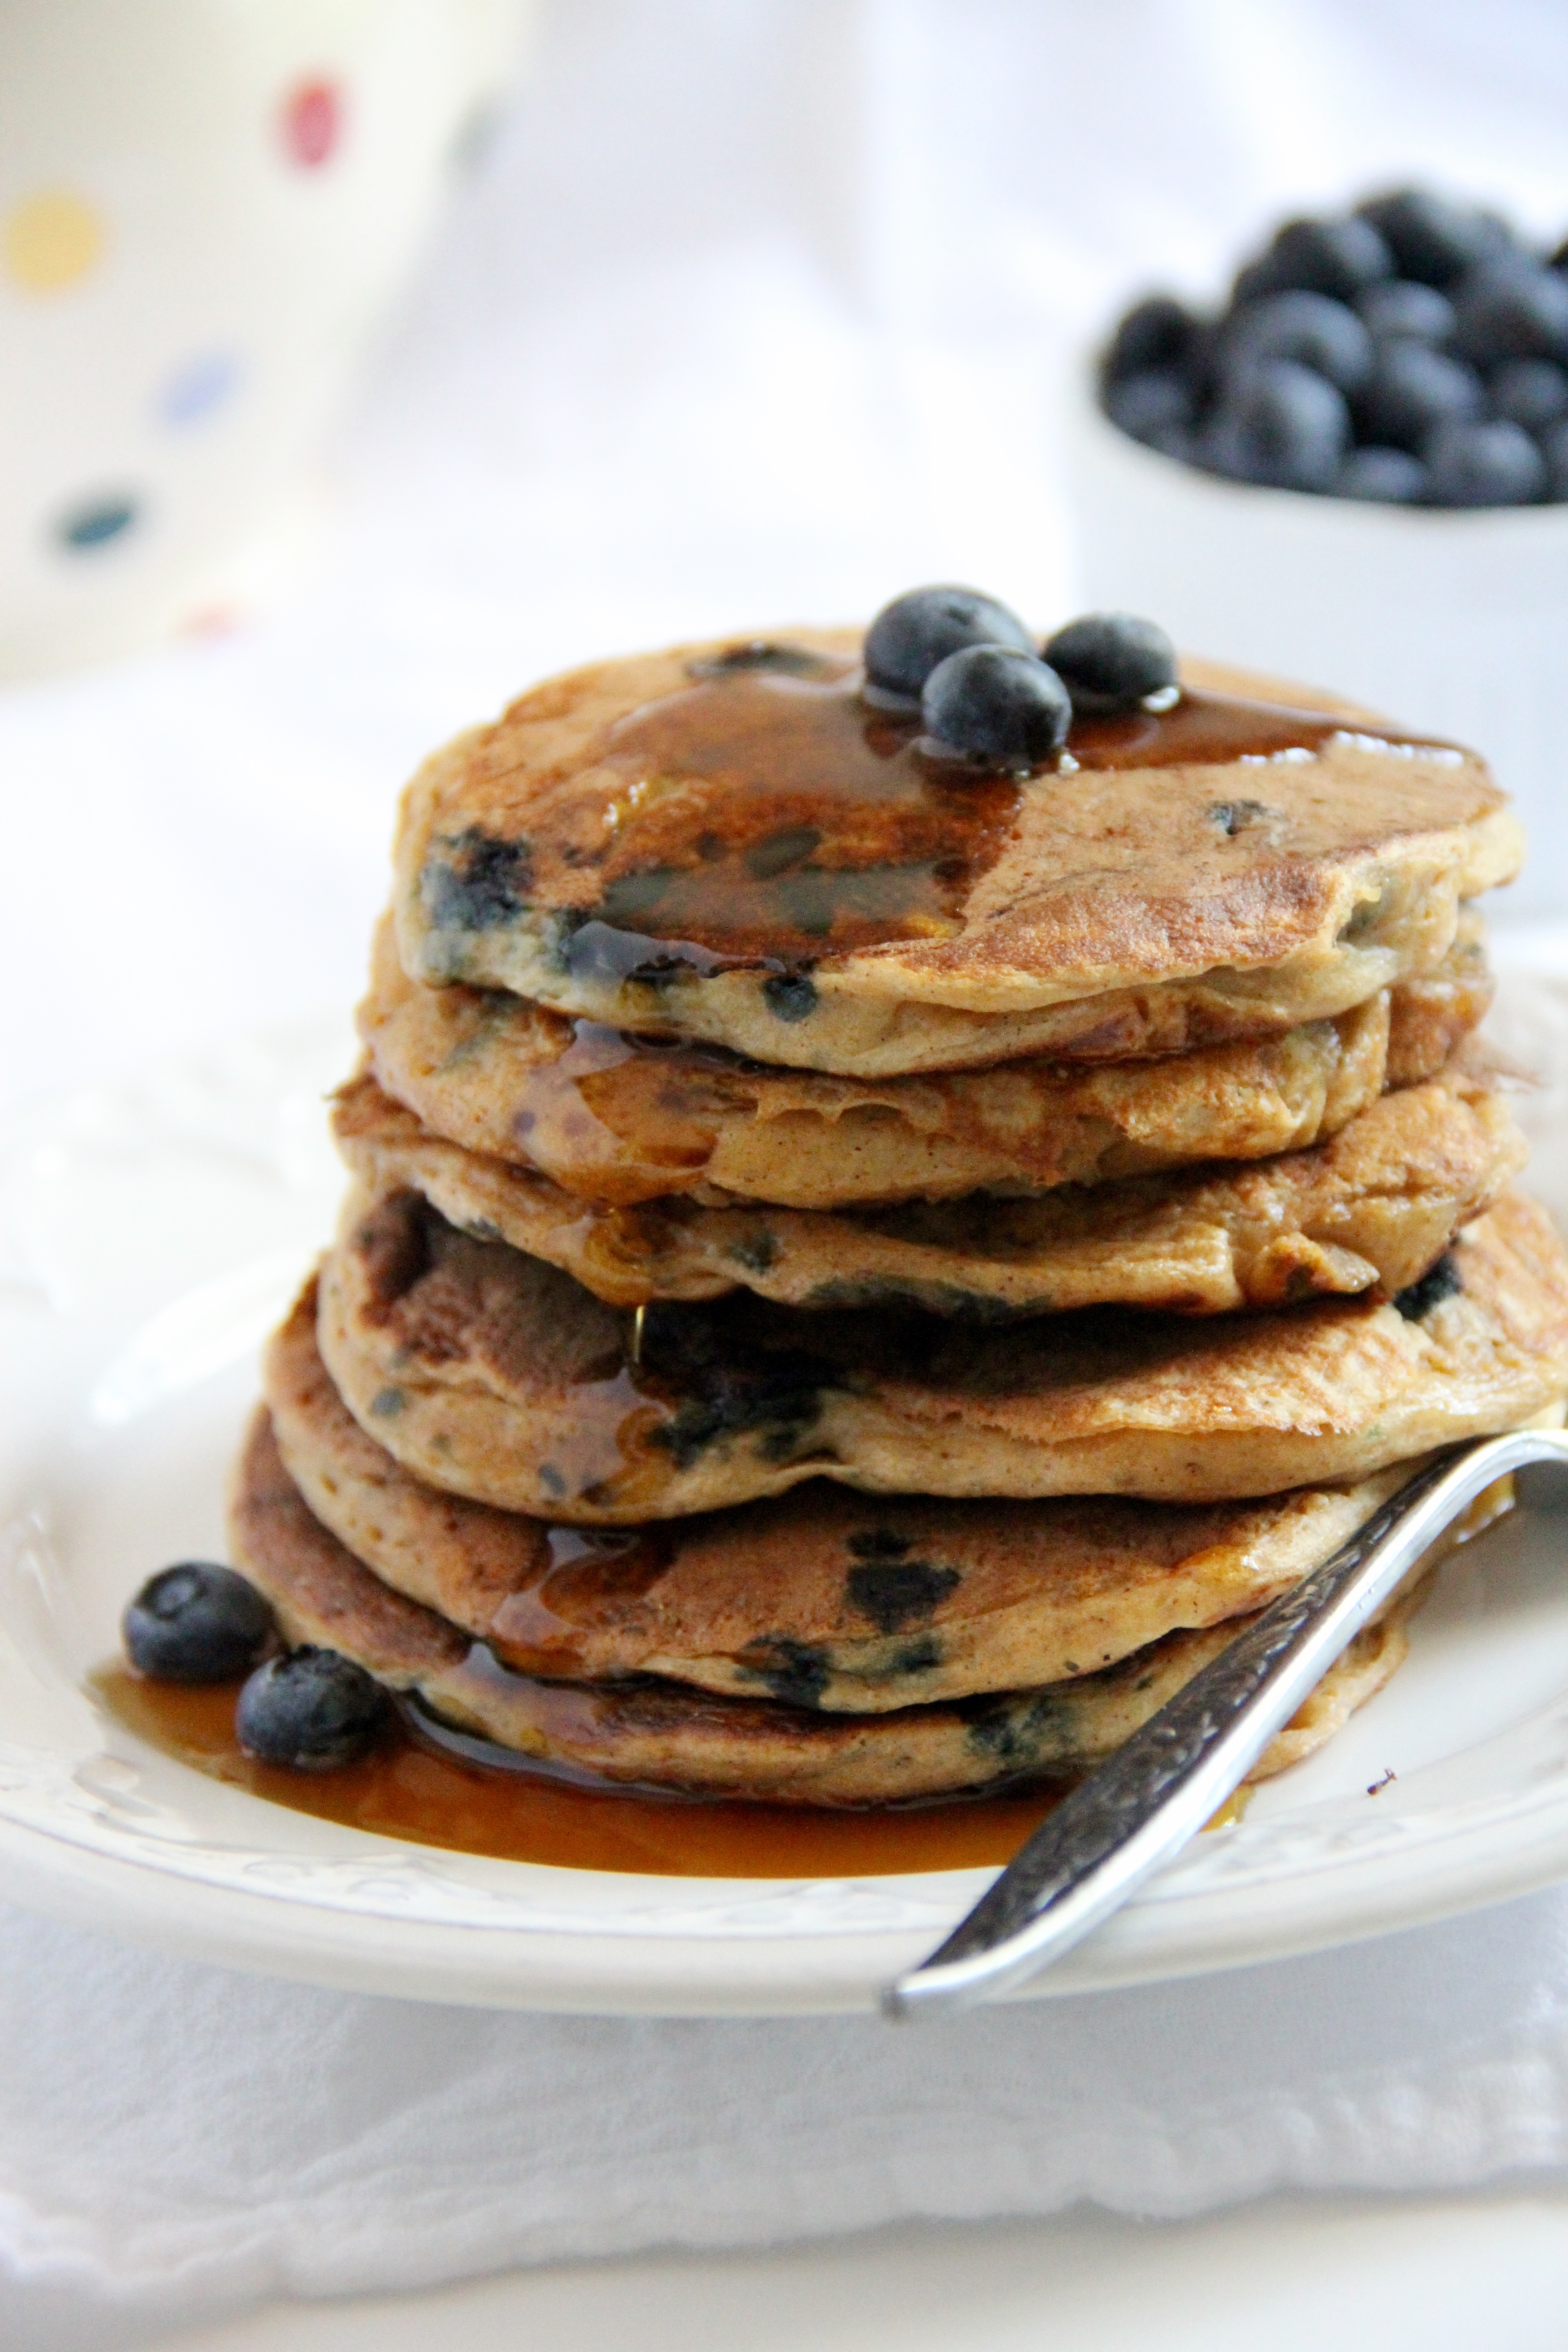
[[1162, 1785]]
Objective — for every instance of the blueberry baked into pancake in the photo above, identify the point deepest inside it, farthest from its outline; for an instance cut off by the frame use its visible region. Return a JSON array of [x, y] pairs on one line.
[[903, 1187]]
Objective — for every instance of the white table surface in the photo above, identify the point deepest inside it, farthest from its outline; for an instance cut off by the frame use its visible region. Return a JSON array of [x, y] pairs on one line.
[[753, 313]]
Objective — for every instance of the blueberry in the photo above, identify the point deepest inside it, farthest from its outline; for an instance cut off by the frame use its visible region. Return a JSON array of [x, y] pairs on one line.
[[997, 703], [197, 1623], [1494, 465], [1531, 393], [909, 636], [1110, 661], [1253, 282], [1203, 366], [1500, 241], [1310, 328], [1554, 453], [1512, 311], [1412, 390], [1328, 257], [1280, 425], [1403, 308], [1392, 476], [1440, 1281], [1152, 337], [1153, 408], [1429, 239], [313, 1710]]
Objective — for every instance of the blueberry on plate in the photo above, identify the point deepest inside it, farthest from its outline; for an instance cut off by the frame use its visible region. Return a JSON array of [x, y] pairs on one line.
[[1282, 427], [1391, 477], [998, 705], [1152, 337], [1531, 393], [1512, 309], [909, 636], [1310, 328], [1411, 390], [1338, 257], [1111, 661], [1430, 238], [196, 1623], [311, 1710], [1153, 408], [1401, 310], [1488, 464]]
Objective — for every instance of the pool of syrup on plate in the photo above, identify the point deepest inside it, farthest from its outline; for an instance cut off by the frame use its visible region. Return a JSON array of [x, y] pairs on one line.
[[409, 1789]]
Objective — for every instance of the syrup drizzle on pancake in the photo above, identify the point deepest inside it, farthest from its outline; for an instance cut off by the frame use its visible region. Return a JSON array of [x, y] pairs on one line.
[[591, 1576], [767, 815], [619, 1107]]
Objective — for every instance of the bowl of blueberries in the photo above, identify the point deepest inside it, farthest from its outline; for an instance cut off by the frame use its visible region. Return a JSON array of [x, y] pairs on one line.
[[1355, 471]]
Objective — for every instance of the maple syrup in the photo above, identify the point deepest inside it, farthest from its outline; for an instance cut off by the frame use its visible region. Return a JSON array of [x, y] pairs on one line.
[[591, 1574], [768, 814], [622, 1119], [765, 817], [1203, 730], [412, 1789]]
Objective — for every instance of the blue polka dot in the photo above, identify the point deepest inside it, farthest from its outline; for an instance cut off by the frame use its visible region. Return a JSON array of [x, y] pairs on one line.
[[198, 387], [96, 522]]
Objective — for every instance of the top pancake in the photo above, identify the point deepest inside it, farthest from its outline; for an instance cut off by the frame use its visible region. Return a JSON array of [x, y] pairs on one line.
[[723, 842]]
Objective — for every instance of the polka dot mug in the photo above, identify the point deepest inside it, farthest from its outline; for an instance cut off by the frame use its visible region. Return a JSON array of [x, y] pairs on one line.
[[205, 208]]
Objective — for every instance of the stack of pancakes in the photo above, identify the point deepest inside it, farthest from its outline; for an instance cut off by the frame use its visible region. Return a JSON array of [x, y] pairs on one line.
[[862, 1272]]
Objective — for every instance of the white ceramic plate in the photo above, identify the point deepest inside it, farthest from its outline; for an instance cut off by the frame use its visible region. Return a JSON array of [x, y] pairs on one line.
[[150, 1235]]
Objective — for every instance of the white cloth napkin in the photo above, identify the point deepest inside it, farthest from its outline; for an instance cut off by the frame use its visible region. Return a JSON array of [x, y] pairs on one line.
[[177, 2134]]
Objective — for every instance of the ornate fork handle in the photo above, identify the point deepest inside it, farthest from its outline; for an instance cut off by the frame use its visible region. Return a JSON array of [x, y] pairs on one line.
[[1171, 1776]]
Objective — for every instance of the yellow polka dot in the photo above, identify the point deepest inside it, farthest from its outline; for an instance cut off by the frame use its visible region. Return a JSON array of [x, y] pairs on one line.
[[51, 240]]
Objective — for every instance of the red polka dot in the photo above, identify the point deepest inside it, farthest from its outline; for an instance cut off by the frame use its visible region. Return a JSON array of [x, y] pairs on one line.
[[212, 621], [313, 122]]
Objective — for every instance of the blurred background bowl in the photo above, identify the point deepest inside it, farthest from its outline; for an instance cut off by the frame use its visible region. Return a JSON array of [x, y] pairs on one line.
[[1453, 623], [207, 208]]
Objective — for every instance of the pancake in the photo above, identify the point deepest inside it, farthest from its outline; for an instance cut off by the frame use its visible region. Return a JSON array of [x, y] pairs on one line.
[[493, 1375], [618, 1119], [1370, 1210], [823, 1598], [724, 842], [658, 1734]]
